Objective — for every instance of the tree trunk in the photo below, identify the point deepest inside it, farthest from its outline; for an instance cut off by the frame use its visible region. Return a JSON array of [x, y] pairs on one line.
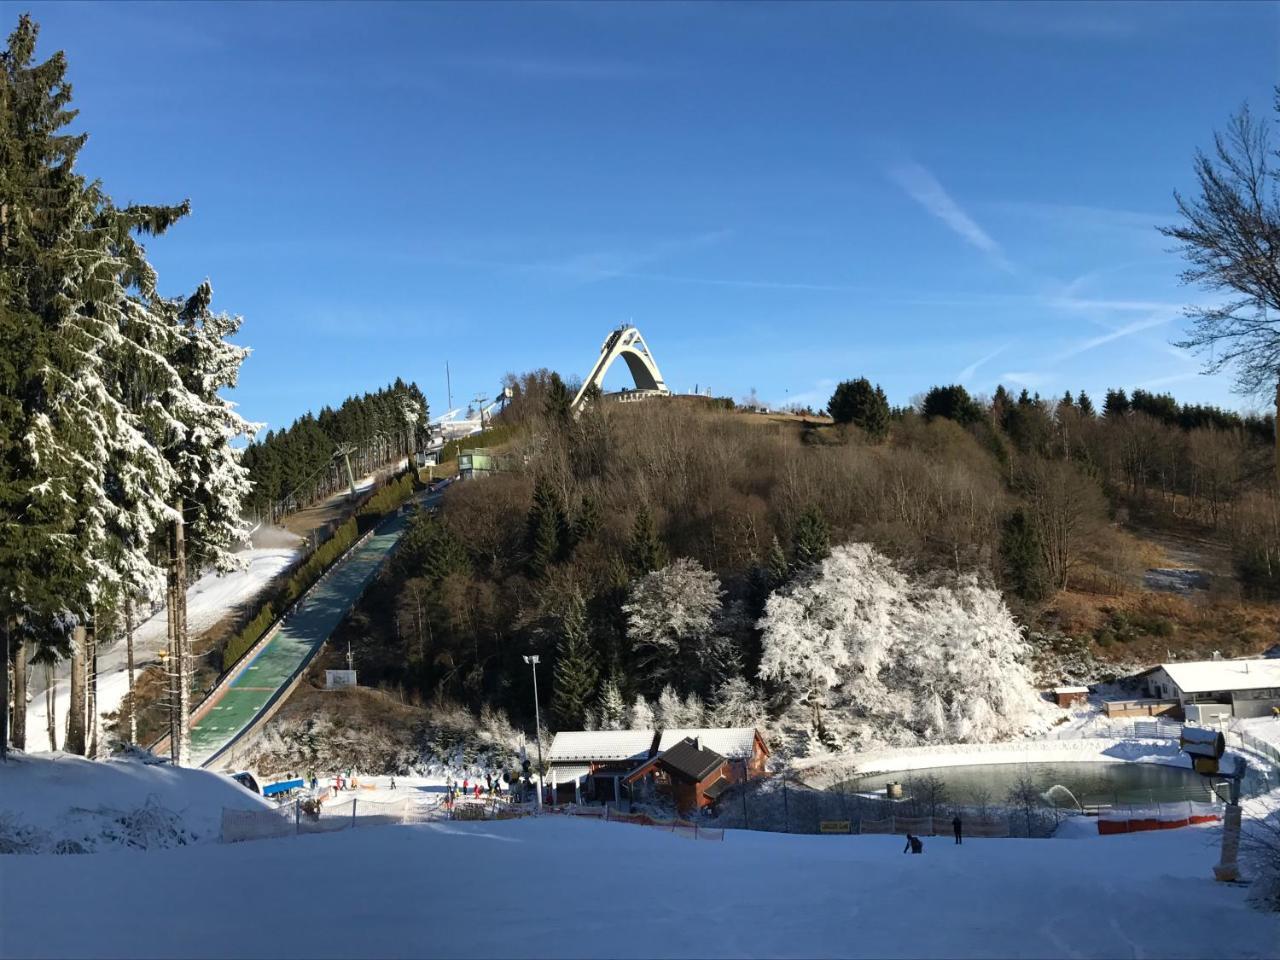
[[91, 661], [4, 686], [19, 731], [75, 710], [1277, 428], [51, 704], [181, 747], [131, 703]]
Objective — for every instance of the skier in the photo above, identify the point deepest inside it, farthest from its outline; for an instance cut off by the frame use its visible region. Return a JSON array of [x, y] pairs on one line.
[[393, 782], [955, 827], [914, 844], [465, 783], [477, 791]]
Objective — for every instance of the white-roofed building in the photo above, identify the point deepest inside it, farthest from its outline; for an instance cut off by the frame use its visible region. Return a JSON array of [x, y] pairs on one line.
[[606, 755], [1209, 689]]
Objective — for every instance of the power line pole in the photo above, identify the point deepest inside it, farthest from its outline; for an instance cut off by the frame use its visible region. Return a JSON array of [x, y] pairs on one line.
[[537, 719]]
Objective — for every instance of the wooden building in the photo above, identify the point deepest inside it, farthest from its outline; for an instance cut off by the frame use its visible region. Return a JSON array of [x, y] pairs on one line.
[[743, 747], [691, 774]]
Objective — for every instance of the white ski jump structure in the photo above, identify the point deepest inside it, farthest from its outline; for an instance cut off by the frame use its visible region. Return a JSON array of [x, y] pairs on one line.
[[627, 343]]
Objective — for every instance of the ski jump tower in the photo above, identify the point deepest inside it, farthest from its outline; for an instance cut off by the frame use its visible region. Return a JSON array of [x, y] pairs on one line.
[[625, 342]]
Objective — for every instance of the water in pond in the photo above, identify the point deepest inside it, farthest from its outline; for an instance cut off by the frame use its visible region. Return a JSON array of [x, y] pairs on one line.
[[1090, 783]]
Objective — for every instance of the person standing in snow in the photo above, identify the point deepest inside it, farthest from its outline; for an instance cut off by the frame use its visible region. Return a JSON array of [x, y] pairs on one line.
[[955, 826], [393, 782], [477, 791], [914, 844]]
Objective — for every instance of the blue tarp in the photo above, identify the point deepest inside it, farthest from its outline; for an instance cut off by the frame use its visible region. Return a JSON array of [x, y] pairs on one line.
[[284, 786]]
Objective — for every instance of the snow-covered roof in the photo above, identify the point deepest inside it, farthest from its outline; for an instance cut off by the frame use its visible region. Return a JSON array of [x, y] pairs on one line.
[[567, 772], [602, 745], [1207, 676], [735, 743], [1070, 689]]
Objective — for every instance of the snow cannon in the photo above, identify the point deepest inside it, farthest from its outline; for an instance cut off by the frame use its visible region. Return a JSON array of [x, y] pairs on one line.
[[1204, 747]]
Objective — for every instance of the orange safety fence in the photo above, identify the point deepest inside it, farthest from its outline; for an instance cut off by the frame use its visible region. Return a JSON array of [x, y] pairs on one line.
[[1162, 816]]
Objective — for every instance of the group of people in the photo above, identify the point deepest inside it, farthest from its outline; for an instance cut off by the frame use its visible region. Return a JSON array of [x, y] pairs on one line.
[[916, 845], [454, 791]]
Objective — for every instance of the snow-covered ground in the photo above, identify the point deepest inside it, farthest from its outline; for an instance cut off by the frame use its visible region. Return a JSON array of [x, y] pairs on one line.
[[1264, 728], [71, 799], [209, 599], [552, 887]]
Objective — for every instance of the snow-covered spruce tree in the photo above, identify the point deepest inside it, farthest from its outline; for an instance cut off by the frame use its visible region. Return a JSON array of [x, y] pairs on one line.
[[77, 469], [873, 657], [100, 381], [210, 482], [641, 715], [611, 708], [576, 675], [671, 620]]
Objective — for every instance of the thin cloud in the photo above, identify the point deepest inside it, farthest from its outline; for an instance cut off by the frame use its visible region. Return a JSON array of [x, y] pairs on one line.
[[965, 375], [1163, 381], [1115, 334], [1027, 378], [923, 187]]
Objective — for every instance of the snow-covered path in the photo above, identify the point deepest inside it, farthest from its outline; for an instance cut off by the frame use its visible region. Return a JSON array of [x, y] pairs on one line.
[[209, 599], [559, 887]]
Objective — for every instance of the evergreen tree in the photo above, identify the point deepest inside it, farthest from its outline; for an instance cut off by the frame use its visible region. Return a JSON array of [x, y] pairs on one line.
[[952, 403], [1085, 405], [859, 403], [645, 552], [547, 530], [641, 715], [1022, 558], [1115, 405], [776, 566], [611, 708], [587, 520], [559, 402], [576, 673], [810, 539]]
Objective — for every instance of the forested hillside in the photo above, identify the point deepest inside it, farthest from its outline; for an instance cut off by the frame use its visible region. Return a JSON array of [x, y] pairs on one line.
[[295, 465], [675, 557]]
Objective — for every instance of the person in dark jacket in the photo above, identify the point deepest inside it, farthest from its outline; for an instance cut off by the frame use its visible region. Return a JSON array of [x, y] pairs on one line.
[[914, 844], [955, 827]]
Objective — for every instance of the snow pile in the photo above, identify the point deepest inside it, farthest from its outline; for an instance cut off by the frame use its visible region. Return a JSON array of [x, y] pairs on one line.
[[435, 890], [871, 656], [64, 804]]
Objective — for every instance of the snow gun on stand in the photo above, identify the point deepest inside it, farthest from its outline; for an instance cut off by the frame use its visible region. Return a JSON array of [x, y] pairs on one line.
[[1206, 749]]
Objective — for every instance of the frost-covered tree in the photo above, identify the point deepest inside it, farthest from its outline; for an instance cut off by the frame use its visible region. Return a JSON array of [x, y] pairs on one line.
[[738, 704], [872, 656], [671, 619], [611, 708], [641, 715], [97, 384]]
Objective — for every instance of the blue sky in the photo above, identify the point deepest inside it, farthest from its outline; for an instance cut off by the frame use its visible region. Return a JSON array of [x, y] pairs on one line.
[[780, 197]]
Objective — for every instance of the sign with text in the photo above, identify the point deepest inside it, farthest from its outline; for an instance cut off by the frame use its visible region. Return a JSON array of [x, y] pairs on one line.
[[338, 679], [834, 826]]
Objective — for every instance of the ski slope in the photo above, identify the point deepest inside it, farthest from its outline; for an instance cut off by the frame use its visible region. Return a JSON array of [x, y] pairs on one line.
[[230, 710], [209, 599], [560, 887]]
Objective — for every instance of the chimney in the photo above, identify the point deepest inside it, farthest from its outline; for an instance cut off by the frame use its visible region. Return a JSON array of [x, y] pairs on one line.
[[697, 743]]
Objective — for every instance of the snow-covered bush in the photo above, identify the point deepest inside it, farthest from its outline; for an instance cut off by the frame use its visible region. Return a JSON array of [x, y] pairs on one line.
[[870, 656], [672, 617]]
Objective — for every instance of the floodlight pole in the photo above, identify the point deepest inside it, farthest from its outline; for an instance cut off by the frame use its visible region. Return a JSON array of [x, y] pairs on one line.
[[532, 660]]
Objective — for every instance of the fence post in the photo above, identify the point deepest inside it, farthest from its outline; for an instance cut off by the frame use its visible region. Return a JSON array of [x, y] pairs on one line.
[[786, 811], [297, 817], [353, 811]]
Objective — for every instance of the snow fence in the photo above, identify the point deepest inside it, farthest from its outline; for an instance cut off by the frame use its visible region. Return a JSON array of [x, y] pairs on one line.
[[293, 819], [1158, 816], [689, 829], [936, 826]]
